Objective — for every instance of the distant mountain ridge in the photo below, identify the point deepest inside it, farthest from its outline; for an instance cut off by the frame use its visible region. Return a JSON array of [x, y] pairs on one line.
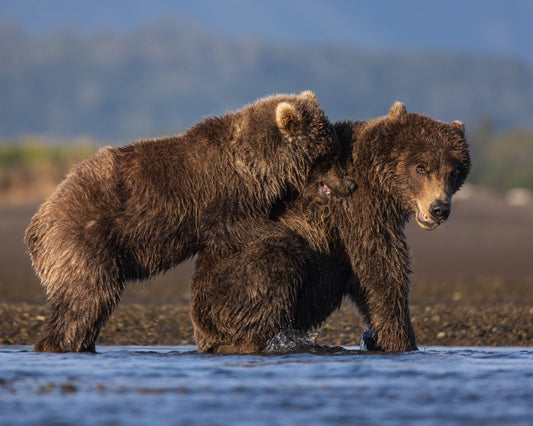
[[161, 78]]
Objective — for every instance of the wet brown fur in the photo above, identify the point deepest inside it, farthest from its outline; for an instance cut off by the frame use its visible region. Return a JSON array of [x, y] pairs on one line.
[[132, 212], [297, 272]]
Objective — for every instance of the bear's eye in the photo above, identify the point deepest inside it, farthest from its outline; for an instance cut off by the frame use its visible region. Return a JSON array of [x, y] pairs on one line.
[[455, 175], [421, 168]]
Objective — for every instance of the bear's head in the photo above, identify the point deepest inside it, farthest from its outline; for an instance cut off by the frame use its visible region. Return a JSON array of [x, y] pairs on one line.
[[430, 162], [327, 178], [305, 127], [290, 132], [327, 181], [301, 122]]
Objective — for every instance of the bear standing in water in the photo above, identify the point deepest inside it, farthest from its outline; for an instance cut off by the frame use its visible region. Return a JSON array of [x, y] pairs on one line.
[[295, 273], [132, 212]]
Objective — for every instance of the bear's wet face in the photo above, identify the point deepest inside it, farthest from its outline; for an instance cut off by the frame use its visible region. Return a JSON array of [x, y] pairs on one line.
[[433, 161], [342, 188], [328, 179], [433, 177]]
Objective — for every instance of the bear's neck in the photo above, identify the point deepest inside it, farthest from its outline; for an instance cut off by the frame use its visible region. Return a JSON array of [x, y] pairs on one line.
[[372, 166], [372, 163]]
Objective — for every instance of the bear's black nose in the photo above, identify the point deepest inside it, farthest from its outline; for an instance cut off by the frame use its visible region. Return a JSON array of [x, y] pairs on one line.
[[440, 210], [351, 186]]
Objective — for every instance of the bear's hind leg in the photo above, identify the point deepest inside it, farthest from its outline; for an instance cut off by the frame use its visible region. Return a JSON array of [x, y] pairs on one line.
[[76, 312], [246, 299]]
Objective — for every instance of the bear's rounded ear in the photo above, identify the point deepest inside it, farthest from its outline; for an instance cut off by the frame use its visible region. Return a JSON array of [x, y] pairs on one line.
[[459, 125], [309, 95], [397, 111], [287, 117]]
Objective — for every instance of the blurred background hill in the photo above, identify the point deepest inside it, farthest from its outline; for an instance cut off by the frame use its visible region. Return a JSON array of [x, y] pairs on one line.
[[483, 26], [116, 71], [78, 75]]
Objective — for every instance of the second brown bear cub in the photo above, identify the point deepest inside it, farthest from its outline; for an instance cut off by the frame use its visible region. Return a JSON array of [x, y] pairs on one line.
[[131, 212]]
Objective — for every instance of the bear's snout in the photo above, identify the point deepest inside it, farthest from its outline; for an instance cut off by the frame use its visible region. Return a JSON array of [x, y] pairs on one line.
[[430, 217], [440, 210]]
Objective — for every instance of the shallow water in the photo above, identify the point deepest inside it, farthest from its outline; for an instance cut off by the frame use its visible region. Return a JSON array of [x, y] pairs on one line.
[[177, 385]]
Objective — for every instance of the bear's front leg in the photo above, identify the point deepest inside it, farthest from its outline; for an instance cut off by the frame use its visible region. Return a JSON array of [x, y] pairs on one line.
[[382, 297]]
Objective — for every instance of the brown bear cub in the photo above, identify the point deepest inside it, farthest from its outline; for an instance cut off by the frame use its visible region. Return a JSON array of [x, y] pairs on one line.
[[294, 276], [129, 213]]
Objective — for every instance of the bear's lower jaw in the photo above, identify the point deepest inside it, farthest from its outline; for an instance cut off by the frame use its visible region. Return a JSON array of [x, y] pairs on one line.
[[426, 222]]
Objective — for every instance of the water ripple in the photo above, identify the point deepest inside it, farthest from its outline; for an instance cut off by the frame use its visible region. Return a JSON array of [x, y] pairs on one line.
[[177, 385]]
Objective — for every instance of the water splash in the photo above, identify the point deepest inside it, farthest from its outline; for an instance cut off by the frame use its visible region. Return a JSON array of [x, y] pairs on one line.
[[293, 341]]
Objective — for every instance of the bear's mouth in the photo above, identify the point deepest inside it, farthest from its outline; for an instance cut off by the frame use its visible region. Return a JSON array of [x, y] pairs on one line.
[[426, 222], [323, 191]]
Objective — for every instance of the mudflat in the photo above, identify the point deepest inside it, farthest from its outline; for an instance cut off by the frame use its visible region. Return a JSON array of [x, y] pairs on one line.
[[472, 285]]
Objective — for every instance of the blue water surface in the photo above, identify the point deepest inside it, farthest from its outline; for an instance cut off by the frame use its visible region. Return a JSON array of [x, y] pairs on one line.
[[167, 385]]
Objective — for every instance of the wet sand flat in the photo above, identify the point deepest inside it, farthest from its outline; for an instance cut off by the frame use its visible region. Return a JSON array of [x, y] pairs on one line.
[[472, 286]]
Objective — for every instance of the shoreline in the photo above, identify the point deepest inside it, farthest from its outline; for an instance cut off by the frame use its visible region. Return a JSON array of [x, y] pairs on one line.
[[505, 324]]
